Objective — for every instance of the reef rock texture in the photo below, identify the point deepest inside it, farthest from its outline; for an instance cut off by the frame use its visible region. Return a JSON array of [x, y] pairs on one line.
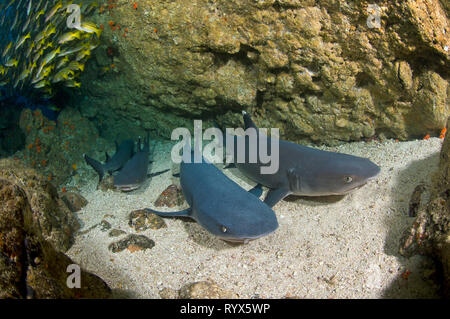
[[56, 149], [323, 70], [50, 216], [430, 233], [35, 226]]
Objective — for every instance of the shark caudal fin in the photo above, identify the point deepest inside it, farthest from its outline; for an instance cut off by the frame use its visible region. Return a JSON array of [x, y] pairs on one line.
[[96, 165], [181, 213]]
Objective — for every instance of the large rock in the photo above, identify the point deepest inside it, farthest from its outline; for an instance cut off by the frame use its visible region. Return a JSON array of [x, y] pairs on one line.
[[56, 149], [316, 69], [430, 233], [35, 228]]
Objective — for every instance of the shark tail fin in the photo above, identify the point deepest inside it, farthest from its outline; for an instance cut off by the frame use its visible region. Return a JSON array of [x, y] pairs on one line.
[[181, 213], [157, 173], [96, 165]]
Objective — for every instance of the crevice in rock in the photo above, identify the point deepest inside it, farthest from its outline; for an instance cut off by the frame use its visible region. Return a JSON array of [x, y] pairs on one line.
[[259, 98], [279, 7]]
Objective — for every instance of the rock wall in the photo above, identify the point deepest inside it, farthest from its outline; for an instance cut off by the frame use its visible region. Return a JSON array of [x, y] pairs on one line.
[[316, 69], [35, 228], [430, 233]]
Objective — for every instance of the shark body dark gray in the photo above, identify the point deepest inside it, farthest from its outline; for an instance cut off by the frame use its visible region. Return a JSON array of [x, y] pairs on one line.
[[135, 171], [124, 152], [306, 171], [221, 206]]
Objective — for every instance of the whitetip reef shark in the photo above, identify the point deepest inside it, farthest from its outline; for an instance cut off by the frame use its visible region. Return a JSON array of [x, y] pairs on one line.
[[221, 206], [135, 171], [124, 152], [305, 171]]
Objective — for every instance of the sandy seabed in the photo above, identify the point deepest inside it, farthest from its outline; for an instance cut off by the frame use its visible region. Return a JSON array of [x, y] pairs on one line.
[[323, 248]]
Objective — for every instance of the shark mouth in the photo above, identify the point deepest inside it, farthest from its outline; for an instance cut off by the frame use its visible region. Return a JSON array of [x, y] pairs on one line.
[[127, 188]]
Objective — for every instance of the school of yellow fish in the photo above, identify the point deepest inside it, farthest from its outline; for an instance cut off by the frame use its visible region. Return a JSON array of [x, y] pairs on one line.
[[40, 46]]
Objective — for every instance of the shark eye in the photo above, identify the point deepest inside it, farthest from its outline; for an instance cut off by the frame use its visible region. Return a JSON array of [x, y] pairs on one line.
[[224, 229], [348, 179]]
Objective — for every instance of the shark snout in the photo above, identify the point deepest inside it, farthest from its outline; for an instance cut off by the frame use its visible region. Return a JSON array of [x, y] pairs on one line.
[[371, 170]]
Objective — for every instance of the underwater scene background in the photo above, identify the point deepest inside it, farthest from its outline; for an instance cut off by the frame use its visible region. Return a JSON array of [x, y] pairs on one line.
[[78, 78]]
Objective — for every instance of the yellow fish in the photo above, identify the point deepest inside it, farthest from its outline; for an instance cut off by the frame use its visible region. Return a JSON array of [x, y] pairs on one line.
[[53, 11], [22, 40], [5, 52], [39, 14], [62, 62], [90, 27], [50, 56], [62, 75], [11, 62], [47, 70], [69, 36], [83, 54], [42, 84], [72, 84], [74, 65]]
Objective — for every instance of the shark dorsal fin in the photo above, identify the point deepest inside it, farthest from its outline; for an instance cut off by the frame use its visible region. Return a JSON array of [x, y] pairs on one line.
[[248, 122], [107, 157]]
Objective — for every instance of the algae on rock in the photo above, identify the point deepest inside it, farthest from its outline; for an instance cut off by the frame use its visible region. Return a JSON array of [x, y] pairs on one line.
[[430, 233], [35, 228]]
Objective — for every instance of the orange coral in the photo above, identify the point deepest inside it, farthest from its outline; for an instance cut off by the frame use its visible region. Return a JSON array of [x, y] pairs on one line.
[[443, 131], [426, 137]]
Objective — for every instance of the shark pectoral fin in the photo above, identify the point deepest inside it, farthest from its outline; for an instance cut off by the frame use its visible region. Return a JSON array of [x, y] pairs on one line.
[[257, 190], [157, 173], [275, 195], [181, 213]]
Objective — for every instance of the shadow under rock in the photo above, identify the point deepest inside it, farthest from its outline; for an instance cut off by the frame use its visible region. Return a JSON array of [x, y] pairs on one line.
[[414, 280]]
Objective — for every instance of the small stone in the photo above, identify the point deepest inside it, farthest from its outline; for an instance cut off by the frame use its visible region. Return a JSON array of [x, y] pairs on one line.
[[116, 233], [74, 201], [141, 220], [168, 293], [133, 243], [205, 290], [172, 196], [107, 183], [104, 225]]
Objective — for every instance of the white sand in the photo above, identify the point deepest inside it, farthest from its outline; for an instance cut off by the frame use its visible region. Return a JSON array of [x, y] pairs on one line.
[[322, 249]]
